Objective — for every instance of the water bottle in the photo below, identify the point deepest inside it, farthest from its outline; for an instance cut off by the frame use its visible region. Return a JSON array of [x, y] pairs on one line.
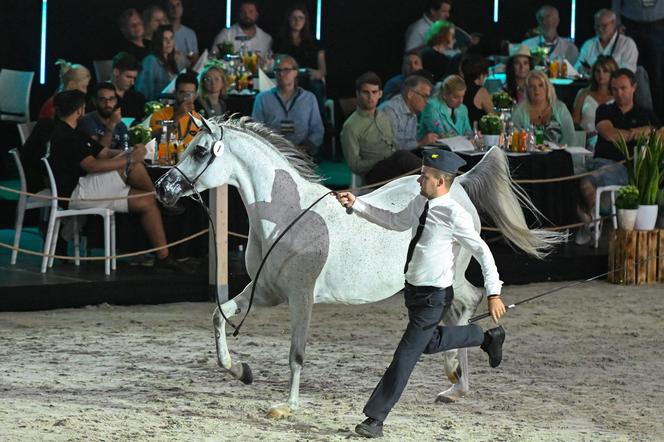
[[125, 142]]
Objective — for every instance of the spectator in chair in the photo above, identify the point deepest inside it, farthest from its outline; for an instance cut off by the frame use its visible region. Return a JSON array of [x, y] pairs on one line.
[[289, 109], [124, 75], [153, 16], [161, 66], [85, 169], [245, 34], [211, 92], [186, 86], [438, 56], [185, 37], [518, 67], [404, 109], [131, 27], [548, 20], [410, 63], [367, 139], [72, 77], [435, 10], [475, 70], [104, 125], [445, 114]]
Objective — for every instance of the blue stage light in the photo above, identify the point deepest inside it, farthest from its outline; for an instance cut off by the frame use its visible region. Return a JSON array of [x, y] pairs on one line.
[[42, 52], [496, 4], [228, 13], [319, 7], [572, 30]]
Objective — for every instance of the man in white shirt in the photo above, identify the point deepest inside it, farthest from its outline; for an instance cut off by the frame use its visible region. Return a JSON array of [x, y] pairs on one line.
[[608, 42], [440, 224], [548, 20], [416, 32], [245, 34]]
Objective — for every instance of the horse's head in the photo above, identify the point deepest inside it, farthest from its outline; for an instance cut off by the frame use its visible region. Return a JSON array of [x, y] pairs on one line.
[[192, 170]]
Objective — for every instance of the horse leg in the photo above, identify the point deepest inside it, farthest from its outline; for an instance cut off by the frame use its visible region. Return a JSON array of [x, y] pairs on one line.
[[300, 312], [231, 308], [455, 362]]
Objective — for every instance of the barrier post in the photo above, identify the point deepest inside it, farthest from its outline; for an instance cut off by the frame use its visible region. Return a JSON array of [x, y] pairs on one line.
[[218, 277]]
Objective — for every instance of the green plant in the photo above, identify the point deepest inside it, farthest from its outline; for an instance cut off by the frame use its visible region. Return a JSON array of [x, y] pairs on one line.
[[491, 124], [139, 135], [153, 106], [644, 164], [502, 100], [628, 197]]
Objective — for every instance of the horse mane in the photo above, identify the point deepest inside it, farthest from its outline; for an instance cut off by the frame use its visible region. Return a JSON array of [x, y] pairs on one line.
[[300, 160]]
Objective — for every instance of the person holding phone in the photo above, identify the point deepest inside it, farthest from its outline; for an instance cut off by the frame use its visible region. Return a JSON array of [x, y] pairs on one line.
[[186, 86]]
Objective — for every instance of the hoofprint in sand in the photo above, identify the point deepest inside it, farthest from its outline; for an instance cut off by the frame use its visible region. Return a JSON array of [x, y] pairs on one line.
[[584, 364]]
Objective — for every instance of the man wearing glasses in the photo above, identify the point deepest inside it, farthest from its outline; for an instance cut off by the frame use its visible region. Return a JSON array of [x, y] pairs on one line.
[[186, 86], [105, 124], [403, 111], [289, 109]]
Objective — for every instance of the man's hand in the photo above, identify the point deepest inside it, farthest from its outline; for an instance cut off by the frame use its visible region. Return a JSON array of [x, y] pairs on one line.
[[496, 308], [115, 118], [138, 154], [428, 139], [347, 199]]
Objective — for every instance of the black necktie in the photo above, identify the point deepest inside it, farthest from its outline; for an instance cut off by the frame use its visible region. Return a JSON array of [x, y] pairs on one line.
[[418, 234], [453, 116]]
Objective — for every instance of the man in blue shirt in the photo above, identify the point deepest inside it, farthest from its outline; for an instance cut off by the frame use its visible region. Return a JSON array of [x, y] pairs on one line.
[[289, 109], [105, 124]]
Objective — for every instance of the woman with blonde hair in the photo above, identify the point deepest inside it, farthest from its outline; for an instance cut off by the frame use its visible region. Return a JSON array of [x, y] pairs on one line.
[[445, 114], [542, 108], [72, 77], [211, 92], [439, 56]]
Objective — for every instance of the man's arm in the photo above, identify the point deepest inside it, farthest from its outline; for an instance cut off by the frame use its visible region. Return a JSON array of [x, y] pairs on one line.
[[399, 221], [609, 132]]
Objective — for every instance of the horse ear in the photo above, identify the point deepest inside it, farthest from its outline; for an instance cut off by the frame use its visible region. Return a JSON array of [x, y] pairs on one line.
[[196, 121]]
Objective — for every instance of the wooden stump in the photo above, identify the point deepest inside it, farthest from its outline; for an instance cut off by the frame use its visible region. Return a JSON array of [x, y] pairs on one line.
[[635, 256]]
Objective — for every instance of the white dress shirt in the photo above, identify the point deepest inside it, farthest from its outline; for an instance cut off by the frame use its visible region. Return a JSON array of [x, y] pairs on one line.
[[448, 226], [621, 47], [561, 47], [260, 41]]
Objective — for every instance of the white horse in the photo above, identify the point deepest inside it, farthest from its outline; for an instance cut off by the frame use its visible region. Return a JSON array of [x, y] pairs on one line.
[[310, 264]]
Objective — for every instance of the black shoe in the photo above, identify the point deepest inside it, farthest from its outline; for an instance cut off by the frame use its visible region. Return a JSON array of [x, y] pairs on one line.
[[169, 263], [370, 427], [493, 345]]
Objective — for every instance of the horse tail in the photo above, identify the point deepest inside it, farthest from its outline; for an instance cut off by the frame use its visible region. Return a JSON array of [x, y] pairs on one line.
[[489, 186]]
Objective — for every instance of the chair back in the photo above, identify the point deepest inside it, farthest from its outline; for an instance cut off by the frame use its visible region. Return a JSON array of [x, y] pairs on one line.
[[25, 129], [51, 182], [103, 70], [19, 167], [15, 87]]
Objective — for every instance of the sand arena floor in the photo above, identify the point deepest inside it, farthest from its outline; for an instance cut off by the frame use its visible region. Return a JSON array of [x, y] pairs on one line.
[[583, 365]]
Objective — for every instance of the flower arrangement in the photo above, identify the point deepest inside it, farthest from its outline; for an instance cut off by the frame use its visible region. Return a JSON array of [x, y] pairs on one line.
[[502, 100], [628, 197], [153, 106], [644, 165], [491, 124], [139, 135]]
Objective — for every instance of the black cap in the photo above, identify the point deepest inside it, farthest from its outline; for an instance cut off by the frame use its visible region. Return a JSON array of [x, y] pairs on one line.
[[443, 160]]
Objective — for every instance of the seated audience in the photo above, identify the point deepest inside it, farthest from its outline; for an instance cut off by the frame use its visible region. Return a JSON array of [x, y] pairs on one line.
[[153, 16], [435, 10], [589, 98], [404, 109], [104, 125], [186, 85], [33, 151], [437, 57], [72, 77], [517, 69], [84, 169], [445, 114], [289, 109], [185, 38], [211, 92], [548, 20], [161, 66], [131, 27], [245, 35], [542, 108], [410, 63], [608, 42], [620, 119], [124, 74], [367, 139], [295, 39], [475, 70]]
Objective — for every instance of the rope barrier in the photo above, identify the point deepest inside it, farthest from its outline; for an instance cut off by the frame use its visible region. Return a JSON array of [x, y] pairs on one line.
[[62, 198]]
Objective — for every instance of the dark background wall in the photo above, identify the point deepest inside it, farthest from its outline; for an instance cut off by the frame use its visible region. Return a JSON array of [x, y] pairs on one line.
[[359, 35]]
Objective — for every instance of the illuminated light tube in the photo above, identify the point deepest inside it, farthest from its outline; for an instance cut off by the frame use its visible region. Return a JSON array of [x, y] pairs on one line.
[[228, 13], [496, 5], [319, 8], [42, 52], [572, 25]]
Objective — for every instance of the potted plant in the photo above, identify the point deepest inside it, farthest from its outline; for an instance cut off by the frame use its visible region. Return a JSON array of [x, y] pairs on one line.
[[627, 204], [644, 169], [502, 101], [491, 127]]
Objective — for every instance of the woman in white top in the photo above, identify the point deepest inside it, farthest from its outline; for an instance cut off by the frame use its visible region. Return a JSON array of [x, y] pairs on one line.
[[597, 92]]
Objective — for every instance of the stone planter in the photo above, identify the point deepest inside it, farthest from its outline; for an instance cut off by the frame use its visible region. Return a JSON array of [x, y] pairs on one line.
[[647, 217], [627, 218]]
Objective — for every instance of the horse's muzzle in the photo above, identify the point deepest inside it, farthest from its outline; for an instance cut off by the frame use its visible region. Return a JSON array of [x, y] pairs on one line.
[[170, 188]]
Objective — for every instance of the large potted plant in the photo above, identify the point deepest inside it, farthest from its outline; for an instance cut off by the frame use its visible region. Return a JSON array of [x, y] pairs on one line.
[[627, 204], [644, 169], [491, 127]]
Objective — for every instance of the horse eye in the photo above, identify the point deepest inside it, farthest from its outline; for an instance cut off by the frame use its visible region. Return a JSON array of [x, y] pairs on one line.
[[200, 152]]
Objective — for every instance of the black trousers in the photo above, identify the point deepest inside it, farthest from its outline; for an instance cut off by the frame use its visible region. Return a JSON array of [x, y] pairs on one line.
[[426, 307]]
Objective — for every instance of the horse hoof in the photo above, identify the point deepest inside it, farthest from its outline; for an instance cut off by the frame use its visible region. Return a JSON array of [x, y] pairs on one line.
[[455, 376], [279, 411], [450, 396], [247, 377]]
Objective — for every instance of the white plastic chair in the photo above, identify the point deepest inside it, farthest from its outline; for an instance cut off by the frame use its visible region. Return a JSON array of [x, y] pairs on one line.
[[598, 195], [15, 89], [25, 129], [25, 203], [103, 70], [54, 228]]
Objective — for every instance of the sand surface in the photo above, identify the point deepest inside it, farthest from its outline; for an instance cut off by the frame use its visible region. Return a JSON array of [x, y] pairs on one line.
[[584, 364]]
